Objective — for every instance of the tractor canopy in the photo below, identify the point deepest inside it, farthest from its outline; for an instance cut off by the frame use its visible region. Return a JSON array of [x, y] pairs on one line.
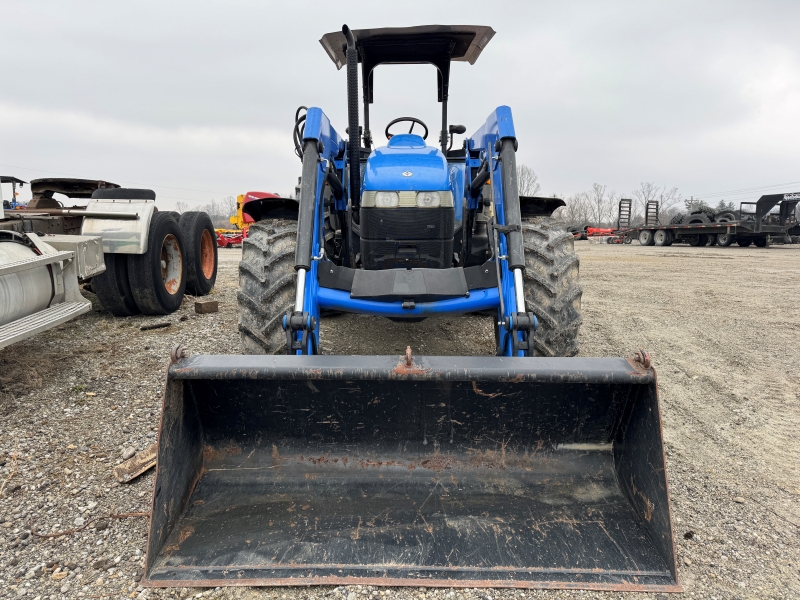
[[438, 45], [435, 44]]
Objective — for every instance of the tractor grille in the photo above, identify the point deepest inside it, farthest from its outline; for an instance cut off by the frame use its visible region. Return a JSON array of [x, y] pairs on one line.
[[407, 237], [433, 254], [407, 223]]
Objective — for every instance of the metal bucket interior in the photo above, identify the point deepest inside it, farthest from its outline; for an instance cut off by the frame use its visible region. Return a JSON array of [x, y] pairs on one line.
[[466, 471]]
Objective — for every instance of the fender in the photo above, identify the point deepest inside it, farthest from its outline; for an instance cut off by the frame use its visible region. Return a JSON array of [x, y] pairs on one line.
[[272, 208], [536, 206]]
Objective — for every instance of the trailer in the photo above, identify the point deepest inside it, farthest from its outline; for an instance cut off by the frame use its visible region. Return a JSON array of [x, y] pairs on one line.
[[771, 218], [147, 258]]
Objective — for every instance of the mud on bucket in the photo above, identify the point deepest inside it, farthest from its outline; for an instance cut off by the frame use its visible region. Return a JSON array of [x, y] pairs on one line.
[[457, 471]]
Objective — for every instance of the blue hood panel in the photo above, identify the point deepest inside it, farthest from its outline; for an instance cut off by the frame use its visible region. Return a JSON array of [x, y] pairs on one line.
[[406, 153]]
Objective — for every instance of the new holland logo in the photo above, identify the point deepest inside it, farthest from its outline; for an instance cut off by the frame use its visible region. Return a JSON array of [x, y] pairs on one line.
[[407, 173], [787, 196]]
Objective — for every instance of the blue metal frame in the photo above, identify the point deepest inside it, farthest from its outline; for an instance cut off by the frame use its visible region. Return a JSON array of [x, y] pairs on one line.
[[499, 125]]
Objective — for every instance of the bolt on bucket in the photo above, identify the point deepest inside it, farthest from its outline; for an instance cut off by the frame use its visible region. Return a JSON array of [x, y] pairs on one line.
[[454, 471]]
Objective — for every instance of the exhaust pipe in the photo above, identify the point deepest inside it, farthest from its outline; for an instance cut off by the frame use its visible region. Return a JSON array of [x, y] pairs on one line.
[[352, 116]]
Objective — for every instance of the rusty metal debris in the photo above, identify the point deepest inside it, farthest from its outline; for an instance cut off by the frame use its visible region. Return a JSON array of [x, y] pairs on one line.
[[137, 464], [154, 326]]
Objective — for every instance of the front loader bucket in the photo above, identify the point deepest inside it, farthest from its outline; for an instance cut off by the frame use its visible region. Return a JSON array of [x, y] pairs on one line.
[[461, 472]]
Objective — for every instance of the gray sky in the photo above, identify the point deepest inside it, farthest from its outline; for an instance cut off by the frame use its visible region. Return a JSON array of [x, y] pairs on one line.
[[196, 100]]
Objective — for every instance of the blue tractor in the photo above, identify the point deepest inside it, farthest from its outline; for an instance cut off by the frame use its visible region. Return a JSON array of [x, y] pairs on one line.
[[285, 466], [416, 229]]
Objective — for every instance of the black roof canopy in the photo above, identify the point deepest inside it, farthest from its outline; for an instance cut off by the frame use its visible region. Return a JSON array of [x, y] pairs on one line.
[[438, 45], [421, 44], [9, 179]]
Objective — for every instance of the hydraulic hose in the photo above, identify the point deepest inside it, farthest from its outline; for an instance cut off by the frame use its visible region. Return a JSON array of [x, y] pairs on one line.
[[352, 117], [297, 133], [480, 180]]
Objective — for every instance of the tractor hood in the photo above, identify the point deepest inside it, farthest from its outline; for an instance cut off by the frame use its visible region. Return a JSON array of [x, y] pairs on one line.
[[406, 164]]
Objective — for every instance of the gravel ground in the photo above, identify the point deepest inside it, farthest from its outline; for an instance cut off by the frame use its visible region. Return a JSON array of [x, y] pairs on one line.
[[720, 323]]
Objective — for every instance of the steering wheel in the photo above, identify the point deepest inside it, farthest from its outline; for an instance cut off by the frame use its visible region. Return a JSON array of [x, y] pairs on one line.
[[413, 121]]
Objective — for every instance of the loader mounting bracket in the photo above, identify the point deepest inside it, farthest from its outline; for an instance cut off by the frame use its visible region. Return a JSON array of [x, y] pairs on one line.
[[525, 324], [305, 323]]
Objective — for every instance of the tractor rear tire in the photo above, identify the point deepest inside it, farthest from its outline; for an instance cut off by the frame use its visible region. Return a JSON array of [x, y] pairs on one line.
[[158, 277], [112, 287], [552, 286], [266, 285], [200, 247]]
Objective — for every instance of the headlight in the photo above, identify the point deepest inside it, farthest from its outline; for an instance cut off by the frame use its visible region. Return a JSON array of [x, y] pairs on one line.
[[428, 199], [387, 199]]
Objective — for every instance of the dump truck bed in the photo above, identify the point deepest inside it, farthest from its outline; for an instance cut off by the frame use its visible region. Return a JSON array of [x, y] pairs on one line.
[[454, 471]]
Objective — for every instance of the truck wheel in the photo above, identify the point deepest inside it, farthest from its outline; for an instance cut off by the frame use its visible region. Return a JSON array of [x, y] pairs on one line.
[[199, 244], [552, 286], [646, 237], [697, 240], [158, 277], [760, 242], [744, 243], [724, 239], [112, 287], [662, 237], [266, 285]]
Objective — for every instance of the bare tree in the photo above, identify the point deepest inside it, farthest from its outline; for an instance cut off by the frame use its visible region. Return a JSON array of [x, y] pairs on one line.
[[668, 201], [648, 191], [229, 205], [598, 203], [181, 206], [613, 208], [527, 181], [577, 212]]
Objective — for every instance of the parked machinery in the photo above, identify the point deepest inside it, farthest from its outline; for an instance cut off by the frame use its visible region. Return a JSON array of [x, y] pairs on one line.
[[39, 280], [241, 220], [770, 218], [150, 257]]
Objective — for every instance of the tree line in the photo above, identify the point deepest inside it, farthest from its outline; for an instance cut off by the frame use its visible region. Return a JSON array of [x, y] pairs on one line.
[[599, 206]]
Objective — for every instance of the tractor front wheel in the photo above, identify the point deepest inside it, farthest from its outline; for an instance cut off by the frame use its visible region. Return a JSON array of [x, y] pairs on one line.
[[552, 286], [266, 285]]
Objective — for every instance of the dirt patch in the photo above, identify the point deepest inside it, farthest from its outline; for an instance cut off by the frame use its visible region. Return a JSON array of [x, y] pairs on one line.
[[24, 369]]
